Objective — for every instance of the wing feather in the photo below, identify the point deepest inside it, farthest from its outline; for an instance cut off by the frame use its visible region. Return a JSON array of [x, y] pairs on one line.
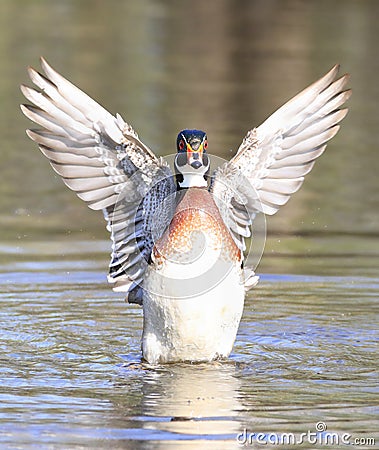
[[273, 159], [100, 157], [60, 143]]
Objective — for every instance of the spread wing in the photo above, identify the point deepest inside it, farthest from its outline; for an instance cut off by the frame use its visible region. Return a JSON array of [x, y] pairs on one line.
[[101, 158], [273, 159]]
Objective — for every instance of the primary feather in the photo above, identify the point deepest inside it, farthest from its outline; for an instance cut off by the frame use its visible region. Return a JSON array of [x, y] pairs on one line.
[[100, 157], [273, 159]]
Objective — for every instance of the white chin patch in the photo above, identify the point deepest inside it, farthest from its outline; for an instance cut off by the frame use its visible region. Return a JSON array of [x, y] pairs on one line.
[[193, 177]]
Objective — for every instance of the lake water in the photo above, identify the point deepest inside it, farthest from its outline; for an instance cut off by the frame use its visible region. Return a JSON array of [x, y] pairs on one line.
[[305, 362]]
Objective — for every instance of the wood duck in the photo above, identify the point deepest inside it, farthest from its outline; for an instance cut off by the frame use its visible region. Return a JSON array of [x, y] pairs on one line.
[[178, 237]]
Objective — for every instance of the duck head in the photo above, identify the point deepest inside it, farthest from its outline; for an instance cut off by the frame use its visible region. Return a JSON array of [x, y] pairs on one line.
[[192, 161]]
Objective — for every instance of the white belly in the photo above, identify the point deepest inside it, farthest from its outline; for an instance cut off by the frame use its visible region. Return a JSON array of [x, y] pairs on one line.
[[193, 289], [191, 314]]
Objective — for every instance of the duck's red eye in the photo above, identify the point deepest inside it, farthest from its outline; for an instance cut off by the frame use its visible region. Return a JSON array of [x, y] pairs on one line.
[[181, 145], [205, 146]]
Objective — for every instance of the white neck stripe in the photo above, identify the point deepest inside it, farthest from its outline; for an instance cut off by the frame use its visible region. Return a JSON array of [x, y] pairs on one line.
[[193, 180]]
